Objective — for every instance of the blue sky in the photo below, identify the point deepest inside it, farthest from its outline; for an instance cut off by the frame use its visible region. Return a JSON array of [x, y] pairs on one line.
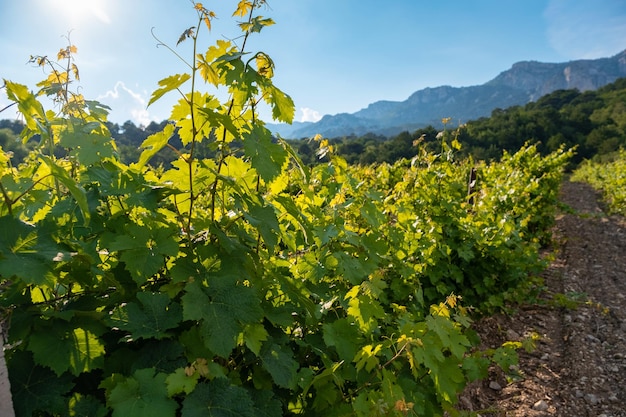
[[331, 56]]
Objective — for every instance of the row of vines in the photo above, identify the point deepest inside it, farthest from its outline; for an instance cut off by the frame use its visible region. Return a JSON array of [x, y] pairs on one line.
[[249, 284], [607, 177]]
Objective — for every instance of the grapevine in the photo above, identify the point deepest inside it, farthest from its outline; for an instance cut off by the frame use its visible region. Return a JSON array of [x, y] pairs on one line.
[[248, 283]]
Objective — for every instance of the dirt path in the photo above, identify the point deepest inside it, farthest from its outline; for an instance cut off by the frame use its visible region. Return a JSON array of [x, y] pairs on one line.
[[579, 365]]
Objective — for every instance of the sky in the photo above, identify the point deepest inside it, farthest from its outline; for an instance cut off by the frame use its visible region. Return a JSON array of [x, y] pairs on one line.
[[331, 56]]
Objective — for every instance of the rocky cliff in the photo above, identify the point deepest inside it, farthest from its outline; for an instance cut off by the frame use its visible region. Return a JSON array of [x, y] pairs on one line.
[[524, 82]]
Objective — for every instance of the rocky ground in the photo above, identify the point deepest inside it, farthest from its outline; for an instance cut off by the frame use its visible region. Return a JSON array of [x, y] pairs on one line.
[[579, 365]]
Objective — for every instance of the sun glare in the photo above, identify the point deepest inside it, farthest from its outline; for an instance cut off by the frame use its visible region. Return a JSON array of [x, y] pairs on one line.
[[80, 12]]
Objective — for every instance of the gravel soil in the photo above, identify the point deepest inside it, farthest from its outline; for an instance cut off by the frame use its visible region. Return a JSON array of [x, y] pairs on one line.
[[578, 367]]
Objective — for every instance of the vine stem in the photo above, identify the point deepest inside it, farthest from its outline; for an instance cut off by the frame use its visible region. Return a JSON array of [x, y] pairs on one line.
[[229, 112], [194, 131]]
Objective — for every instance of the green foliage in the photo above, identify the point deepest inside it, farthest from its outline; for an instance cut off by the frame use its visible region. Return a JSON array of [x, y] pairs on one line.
[[246, 283], [609, 177], [593, 122]]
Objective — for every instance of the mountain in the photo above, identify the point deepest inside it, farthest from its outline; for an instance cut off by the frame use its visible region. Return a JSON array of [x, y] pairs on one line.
[[524, 82]]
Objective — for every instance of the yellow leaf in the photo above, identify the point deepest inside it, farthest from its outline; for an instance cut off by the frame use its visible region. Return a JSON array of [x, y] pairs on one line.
[[75, 72], [451, 300], [243, 8], [265, 66], [403, 406], [207, 72]]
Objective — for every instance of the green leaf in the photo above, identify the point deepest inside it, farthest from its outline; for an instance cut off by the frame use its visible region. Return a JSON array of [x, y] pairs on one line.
[[28, 106], [506, 356], [283, 107], [87, 406], [449, 379], [224, 308], [218, 399], [256, 24], [154, 143], [279, 362], [89, 143], [254, 335], [264, 219], [267, 157], [63, 348], [168, 84], [367, 357], [36, 388], [165, 355], [365, 311], [180, 382], [476, 367], [149, 319], [451, 338], [74, 188], [142, 395], [218, 119], [344, 336], [144, 249], [26, 254], [266, 404]]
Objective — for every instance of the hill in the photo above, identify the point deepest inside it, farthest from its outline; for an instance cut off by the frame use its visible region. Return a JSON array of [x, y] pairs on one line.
[[523, 83]]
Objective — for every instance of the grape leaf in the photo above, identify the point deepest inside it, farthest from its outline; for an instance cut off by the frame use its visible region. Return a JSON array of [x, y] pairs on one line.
[[168, 84], [87, 145], [144, 249], [243, 8], [365, 311], [154, 143], [266, 404], [87, 406], [150, 318], [264, 219], [74, 188], [165, 356], [224, 308], [218, 399], [279, 362], [253, 336], [26, 254], [142, 395], [36, 388], [267, 157], [283, 107], [63, 348], [476, 367], [449, 379], [344, 336], [179, 382], [27, 104], [451, 338]]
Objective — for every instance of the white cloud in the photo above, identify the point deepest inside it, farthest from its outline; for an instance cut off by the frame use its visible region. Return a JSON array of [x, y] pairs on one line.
[[127, 102], [115, 93], [309, 115], [586, 29]]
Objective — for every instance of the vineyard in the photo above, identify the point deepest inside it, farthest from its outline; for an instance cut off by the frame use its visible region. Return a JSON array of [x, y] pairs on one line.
[[249, 283], [609, 178]]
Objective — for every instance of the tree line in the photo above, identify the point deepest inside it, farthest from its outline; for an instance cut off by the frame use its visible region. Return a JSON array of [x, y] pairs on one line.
[[594, 122]]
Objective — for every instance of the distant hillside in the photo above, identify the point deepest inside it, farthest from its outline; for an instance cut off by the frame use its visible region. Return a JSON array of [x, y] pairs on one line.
[[591, 122], [525, 82]]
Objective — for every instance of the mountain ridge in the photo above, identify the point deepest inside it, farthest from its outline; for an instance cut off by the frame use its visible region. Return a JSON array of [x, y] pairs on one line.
[[524, 82]]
